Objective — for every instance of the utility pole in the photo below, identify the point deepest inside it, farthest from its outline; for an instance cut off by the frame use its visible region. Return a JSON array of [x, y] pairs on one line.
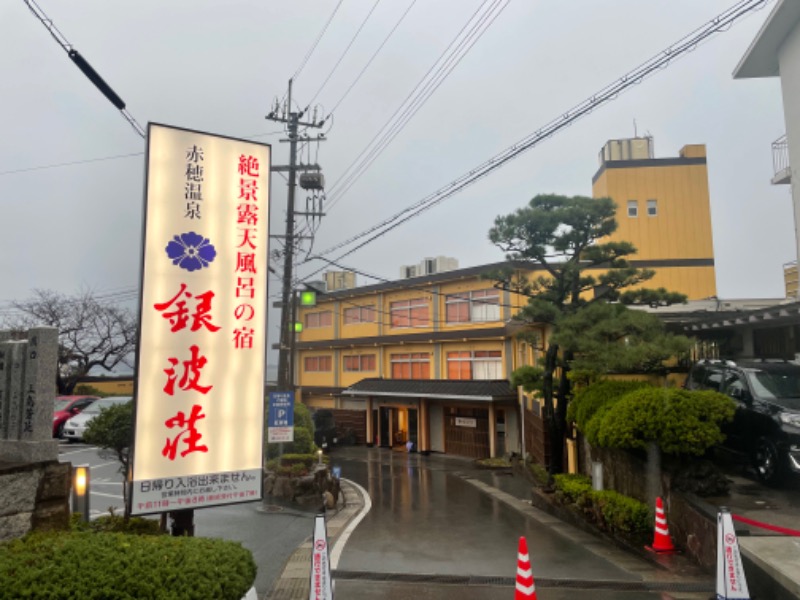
[[286, 346]]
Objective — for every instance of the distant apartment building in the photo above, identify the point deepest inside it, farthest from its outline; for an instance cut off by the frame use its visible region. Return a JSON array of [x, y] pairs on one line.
[[340, 280], [663, 209], [429, 266]]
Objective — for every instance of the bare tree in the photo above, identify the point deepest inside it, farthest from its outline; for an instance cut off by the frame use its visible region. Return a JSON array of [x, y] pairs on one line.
[[91, 333]]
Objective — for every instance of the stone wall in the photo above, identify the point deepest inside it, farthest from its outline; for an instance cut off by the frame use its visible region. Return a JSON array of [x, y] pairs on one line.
[[692, 528], [34, 496]]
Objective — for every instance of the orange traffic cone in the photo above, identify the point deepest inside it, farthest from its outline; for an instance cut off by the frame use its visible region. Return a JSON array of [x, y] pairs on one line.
[[526, 589], [662, 543]]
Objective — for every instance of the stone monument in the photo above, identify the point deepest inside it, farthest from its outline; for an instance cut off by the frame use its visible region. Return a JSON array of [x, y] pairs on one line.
[[27, 394]]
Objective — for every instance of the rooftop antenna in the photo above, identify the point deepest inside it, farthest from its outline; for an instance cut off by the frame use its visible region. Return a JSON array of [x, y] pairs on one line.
[[635, 132]]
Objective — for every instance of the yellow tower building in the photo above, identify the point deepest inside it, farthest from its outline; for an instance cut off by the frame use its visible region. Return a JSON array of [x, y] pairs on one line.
[[663, 209]]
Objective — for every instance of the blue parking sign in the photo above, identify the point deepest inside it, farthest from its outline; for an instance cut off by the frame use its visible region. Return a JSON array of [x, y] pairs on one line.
[[280, 418], [281, 409]]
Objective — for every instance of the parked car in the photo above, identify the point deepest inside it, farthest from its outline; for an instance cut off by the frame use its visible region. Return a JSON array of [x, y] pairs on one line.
[[766, 425], [76, 426], [66, 407]]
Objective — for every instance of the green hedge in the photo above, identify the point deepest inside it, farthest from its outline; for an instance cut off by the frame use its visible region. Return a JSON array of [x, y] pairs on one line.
[[632, 414], [590, 403], [87, 565], [610, 510], [680, 421]]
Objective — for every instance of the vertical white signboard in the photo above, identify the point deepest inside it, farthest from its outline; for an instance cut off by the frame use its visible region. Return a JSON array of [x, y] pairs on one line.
[[203, 322], [731, 581], [321, 584]]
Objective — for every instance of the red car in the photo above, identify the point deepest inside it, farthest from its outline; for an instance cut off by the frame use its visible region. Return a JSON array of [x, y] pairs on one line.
[[67, 406]]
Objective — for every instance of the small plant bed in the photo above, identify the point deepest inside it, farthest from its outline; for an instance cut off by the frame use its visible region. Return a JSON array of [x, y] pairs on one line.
[[622, 517], [93, 563], [493, 463], [294, 465]]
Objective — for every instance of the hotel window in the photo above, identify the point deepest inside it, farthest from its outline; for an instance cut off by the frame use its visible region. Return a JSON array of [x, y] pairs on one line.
[[319, 319], [476, 306], [359, 362], [410, 313], [652, 208], [633, 208], [317, 363], [359, 314], [415, 365], [478, 364]]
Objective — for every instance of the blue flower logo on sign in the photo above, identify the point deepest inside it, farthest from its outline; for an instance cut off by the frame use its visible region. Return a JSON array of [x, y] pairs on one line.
[[191, 251]]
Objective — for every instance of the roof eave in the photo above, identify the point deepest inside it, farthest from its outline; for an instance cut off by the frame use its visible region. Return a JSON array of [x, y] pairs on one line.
[[761, 57]]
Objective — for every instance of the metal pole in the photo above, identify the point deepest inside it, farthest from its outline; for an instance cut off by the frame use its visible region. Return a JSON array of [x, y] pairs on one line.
[[293, 339], [522, 420], [285, 378]]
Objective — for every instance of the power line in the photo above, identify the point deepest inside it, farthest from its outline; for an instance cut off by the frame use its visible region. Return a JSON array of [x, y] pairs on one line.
[[118, 156], [412, 102], [346, 50], [411, 111], [112, 296], [316, 42], [375, 54], [658, 62], [476, 25], [84, 66], [70, 164]]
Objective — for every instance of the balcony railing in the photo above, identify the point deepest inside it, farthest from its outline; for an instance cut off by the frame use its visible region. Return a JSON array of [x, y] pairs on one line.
[[780, 161]]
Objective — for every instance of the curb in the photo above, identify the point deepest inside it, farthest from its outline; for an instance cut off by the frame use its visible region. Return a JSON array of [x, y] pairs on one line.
[[294, 582]]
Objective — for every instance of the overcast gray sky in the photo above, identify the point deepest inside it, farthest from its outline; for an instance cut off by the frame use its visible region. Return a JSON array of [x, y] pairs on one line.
[[218, 65]]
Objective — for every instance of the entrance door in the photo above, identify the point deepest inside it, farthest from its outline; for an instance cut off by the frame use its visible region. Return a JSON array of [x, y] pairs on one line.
[[413, 426], [385, 422], [500, 440], [399, 427]]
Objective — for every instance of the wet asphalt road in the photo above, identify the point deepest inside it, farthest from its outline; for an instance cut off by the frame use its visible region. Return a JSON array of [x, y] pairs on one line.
[[429, 520], [425, 519], [350, 590]]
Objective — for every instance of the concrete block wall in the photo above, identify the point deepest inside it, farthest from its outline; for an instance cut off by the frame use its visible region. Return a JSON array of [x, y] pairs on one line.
[[34, 496]]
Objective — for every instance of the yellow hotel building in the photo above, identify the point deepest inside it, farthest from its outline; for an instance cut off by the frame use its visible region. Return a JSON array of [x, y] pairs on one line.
[[427, 359], [663, 209]]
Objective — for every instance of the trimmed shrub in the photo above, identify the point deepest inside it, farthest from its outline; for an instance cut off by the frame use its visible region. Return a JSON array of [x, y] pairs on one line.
[[302, 417], [609, 510], [293, 464], [622, 514], [298, 470], [539, 473], [593, 400], [572, 488], [117, 524], [117, 566], [680, 421]]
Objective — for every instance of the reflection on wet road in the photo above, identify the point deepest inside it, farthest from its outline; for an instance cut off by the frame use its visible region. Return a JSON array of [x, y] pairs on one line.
[[429, 522]]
